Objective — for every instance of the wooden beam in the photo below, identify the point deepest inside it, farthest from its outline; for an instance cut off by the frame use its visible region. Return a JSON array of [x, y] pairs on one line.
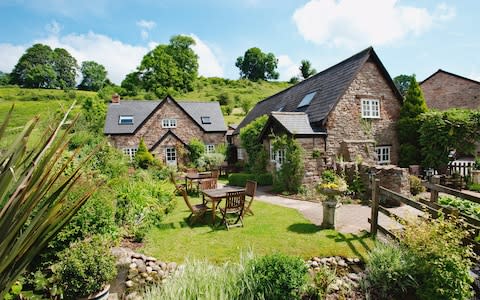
[[395, 196], [447, 190]]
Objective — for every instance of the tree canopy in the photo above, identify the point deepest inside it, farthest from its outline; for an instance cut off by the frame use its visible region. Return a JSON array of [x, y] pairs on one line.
[[402, 82], [256, 65], [4, 78], [414, 103], [94, 76], [306, 69], [167, 68], [42, 67]]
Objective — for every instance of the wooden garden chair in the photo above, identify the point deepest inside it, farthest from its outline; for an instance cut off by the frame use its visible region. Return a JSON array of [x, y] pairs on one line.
[[197, 210], [250, 190], [207, 184], [234, 204]]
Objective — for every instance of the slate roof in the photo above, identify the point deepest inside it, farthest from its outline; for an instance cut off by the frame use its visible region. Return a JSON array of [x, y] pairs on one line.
[[142, 109], [329, 86], [294, 122]]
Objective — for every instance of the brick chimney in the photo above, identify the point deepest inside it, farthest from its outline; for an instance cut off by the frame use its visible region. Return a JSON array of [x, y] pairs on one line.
[[116, 98]]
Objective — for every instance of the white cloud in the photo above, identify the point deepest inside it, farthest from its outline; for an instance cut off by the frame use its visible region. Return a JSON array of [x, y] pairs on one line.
[[146, 24], [144, 34], [208, 65], [287, 68], [10, 55], [353, 23], [53, 28]]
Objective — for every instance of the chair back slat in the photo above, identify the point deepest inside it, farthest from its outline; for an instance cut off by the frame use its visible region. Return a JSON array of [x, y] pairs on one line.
[[251, 188], [235, 200], [215, 174], [208, 184]]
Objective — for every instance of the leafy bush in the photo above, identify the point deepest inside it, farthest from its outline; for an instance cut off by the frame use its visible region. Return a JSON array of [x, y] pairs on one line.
[[240, 179], [469, 208], [416, 186], [84, 268], [210, 161], [196, 148], [321, 281], [277, 276], [328, 176], [143, 158], [289, 177], [390, 272], [476, 164], [409, 155], [249, 139], [442, 261], [474, 187]]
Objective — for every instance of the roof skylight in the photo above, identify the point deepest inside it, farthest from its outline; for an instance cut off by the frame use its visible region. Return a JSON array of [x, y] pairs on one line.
[[307, 99], [125, 120], [206, 120]]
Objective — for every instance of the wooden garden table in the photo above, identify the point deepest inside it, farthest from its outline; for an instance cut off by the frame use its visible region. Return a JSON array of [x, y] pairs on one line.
[[216, 195]]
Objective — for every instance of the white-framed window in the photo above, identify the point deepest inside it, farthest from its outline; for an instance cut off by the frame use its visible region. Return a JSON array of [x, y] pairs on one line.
[[171, 156], [383, 154], [277, 156], [240, 154], [206, 120], [130, 152], [210, 148], [370, 108], [125, 120], [169, 123]]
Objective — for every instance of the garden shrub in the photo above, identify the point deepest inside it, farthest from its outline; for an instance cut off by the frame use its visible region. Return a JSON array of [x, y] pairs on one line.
[[277, 276], [474, 187], [143, 157], [195, 149], [84, 268], [289, 177], [416, 186], [390, 272], [249, 139], [210, 161], [321, 282], [442, 261], [240, 179]]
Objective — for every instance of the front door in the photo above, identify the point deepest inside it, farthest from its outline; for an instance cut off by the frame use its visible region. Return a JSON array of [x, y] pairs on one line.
[[171, 156]]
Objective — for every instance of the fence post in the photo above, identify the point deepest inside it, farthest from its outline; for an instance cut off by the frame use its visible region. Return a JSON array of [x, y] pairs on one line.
[[433, 191], [375, 203]]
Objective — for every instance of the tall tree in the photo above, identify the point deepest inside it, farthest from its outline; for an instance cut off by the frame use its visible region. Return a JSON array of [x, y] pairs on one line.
[[409, 123], [306, 69], [4, 78], [256, 65], [94, 76], [35, 69], [402, 82], [132, 83], [65, 67], [170, 68]]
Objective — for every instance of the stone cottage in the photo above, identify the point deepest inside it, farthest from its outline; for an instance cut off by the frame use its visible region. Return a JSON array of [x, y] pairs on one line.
[[443, 90], [166, 126], [348, 111]]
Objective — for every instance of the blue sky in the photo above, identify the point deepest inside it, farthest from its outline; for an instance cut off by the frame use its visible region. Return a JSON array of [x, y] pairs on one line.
[[409, 36]]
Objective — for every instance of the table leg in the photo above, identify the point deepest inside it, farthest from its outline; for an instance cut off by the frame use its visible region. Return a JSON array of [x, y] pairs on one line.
[[214, 204]]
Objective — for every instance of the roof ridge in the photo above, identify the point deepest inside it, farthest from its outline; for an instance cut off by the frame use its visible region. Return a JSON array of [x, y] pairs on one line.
[[449, 73]]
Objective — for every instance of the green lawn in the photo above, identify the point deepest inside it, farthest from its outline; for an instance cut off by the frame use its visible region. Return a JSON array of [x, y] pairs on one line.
[[272, 229]]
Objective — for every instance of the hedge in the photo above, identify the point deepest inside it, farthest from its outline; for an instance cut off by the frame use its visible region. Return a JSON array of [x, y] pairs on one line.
[[240, 179]]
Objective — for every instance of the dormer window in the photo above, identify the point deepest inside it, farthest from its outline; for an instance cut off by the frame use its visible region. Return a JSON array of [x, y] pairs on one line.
[[206, 120], [125, 120], [307, 99], [169, 123]]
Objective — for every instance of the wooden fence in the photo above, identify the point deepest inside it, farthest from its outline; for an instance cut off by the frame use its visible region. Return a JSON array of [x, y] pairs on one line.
[[429, 206], [462, 167]]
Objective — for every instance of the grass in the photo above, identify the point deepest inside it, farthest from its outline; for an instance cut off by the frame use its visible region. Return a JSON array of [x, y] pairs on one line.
[[272, 229]]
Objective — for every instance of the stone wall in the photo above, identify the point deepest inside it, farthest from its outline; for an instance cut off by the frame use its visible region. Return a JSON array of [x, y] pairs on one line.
[[443, 91], [152, 131], [352, 136], [391, 177]]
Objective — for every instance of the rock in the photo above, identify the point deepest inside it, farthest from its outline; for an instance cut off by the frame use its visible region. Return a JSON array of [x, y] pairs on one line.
[[353, 276], [144, 275], [171, 266], [129, 283], [356, 260], [334, 287], [156, 268], [136, 255], [150, 258], [151, 263], [149, 269], [133, 266], [342, 263], [314, 264], [324, 260], [161, 273], [163, 265], [133, 296], [317, 259], [149, 279], [141, 267]]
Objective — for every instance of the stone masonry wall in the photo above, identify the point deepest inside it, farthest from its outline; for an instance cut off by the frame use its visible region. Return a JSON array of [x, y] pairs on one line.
[[347, 129], [443, 91], [152, 131]]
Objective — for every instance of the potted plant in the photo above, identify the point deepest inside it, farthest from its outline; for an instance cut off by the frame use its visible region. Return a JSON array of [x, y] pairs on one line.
[[84, 270], [476, 171], [331, 185]]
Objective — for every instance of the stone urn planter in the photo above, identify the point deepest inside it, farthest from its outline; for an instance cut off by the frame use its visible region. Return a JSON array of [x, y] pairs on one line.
[[475, 176], [329, 206]]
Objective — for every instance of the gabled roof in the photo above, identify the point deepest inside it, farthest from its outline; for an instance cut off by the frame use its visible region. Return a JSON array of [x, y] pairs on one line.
[[167, 134], [294, 123], [448, 73], [142, 110], [329, 86]]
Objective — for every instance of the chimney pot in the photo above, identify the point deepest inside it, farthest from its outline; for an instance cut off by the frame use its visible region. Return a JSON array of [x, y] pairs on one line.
[[115, 98]]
